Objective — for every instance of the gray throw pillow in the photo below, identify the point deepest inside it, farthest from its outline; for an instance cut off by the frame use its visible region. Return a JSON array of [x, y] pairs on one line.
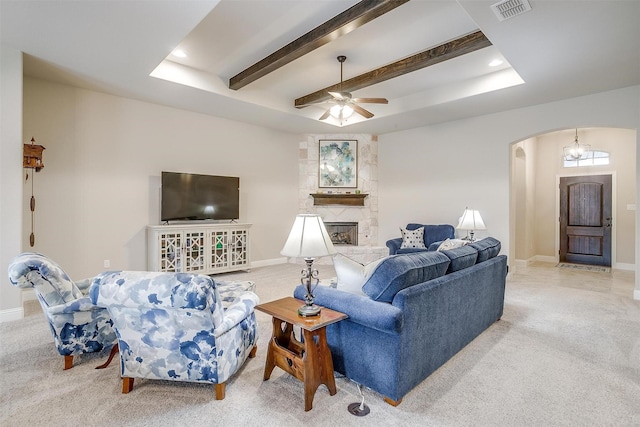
[[452, 244]]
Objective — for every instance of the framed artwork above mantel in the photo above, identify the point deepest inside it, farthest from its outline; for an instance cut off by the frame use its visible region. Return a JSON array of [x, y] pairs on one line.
[[338, 163]]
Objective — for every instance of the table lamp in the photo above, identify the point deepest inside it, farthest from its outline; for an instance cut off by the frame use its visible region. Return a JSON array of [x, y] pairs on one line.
[[471, 221], [308, 239]]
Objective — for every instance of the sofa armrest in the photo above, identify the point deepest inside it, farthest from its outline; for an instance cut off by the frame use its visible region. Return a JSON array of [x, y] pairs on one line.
[[240, 309], [360, 308], [435, 245], [394, 245]]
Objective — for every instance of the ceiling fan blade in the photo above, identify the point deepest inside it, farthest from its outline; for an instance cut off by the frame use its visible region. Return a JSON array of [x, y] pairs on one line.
[[325, 115], [371, 100], [358, 109]]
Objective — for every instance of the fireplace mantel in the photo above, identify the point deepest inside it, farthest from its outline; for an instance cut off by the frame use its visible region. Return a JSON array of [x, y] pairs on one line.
[[325, 199]]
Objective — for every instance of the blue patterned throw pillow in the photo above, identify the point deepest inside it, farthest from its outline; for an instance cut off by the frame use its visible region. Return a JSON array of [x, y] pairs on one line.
[[412, 238]]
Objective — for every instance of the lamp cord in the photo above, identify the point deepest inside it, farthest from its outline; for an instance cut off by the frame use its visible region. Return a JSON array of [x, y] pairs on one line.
[[362, 396]]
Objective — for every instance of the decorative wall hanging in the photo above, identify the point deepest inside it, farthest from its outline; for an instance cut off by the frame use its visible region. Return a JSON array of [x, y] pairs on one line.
[[338, 163], [32, 159]]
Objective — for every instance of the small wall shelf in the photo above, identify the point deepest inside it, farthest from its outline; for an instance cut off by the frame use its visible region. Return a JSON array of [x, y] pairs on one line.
[[325, 199]]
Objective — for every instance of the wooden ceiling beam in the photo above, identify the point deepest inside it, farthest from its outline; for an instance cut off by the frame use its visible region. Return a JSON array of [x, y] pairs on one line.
[[444, 52], [352, 18]]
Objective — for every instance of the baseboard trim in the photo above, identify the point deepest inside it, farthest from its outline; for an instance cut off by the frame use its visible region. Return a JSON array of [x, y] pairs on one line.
[[624, 266], [11, 314], [523, 262], [545, 258], [268, 262]]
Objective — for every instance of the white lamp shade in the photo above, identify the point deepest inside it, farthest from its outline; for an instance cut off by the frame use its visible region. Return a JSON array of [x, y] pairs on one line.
[[308, 238], [471, 220]]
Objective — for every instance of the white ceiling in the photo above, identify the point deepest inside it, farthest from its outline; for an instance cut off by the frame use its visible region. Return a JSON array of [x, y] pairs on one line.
[[557, 50]]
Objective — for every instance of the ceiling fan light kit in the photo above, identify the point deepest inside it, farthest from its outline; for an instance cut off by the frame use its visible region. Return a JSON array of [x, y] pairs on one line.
[[339, 110]]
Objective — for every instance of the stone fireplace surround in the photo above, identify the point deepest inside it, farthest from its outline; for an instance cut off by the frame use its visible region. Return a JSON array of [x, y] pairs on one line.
[[366, 217]]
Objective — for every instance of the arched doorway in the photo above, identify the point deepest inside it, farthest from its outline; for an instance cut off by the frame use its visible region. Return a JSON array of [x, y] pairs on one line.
[[536, 168]]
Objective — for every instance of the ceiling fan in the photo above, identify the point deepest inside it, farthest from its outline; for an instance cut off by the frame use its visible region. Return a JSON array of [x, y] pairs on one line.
[[345, 105]]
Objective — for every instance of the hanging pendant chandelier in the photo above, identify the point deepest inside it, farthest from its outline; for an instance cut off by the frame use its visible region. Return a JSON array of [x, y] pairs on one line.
[[577, 151]]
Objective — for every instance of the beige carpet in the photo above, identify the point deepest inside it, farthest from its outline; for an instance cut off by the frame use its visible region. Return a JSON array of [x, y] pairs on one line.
[[566, 353]]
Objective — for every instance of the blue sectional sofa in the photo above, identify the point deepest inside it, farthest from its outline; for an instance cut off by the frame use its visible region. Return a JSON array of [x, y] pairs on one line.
[[414, 313], [432, 234]]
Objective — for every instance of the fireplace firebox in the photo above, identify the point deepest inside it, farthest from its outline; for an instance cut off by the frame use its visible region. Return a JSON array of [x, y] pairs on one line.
[[343, 233]]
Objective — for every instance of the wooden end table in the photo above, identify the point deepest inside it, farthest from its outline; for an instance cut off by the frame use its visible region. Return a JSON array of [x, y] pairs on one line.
[[309, 361]]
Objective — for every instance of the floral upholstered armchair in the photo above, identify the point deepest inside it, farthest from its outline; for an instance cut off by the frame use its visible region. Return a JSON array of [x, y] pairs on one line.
[[77, 325], [173, 326]]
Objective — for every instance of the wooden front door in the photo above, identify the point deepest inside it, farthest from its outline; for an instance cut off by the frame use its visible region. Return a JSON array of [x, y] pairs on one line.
[[585, 219]]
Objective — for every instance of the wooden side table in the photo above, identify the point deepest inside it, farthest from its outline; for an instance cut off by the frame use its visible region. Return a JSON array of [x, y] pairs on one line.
[[309, 361]]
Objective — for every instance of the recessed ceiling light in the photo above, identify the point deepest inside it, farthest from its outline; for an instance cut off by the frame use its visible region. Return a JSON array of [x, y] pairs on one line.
[[495, 62], [179, 53]]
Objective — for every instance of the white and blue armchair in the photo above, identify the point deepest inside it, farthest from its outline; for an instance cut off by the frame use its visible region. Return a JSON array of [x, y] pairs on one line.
[[77, 325], [173, 326]]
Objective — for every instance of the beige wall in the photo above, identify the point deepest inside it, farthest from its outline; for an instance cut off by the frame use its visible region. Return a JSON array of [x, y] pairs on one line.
[[621, 144], [10, 175], [104, 154], [429, 175]]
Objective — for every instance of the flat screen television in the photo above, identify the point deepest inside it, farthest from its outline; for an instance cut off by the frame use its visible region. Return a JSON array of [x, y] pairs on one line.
[[187, 196]]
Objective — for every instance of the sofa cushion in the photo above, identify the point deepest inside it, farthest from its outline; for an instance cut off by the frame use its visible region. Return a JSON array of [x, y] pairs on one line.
[[487, 248], [413, 239], [351, 275], [461, 257], [398, 272]]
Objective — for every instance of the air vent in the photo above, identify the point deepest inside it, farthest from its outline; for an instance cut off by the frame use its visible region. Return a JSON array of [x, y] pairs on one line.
[[509, 8]]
